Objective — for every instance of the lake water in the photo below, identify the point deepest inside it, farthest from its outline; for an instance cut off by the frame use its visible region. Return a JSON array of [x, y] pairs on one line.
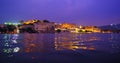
[[60, 48]]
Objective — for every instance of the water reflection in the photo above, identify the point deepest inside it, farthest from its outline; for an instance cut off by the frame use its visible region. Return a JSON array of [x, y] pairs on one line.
[[74, 42], [43, 47], [38, 42], [114, 40], [13, 43], [9, 43]]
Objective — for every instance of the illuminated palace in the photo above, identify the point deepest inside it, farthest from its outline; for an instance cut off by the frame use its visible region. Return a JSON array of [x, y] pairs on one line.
[[73, 28], [44, 26], [40, 26]]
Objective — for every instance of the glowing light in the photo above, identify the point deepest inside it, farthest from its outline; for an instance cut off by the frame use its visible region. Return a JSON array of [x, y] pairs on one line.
[[9, 23], [5, 23], [111, 24], [17, 49], [80, 26], [30, 22], [7, 50], [16, 35], [14, 41], [6, 44]]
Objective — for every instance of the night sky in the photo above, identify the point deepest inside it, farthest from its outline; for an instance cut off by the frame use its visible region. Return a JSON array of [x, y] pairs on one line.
[[83, 12]]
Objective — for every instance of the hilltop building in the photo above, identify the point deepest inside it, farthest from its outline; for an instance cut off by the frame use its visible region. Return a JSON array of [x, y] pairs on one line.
[[40, 26], [92, 29], [44, 26], [66, 27]]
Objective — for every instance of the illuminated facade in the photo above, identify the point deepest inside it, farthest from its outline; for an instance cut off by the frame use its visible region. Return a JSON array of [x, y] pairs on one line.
[[45, 27], [92, 29], [66, 27], [77, 29], [26, 26], [29, 22]]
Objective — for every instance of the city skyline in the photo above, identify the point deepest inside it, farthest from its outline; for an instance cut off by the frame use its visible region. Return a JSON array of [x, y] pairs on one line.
[[81, 12]]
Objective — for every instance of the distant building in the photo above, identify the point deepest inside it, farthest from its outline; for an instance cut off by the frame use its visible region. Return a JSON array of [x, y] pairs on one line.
[[29, 22], [92, 29], [66, 27], [40, 26], [44, 26], [26, 28]]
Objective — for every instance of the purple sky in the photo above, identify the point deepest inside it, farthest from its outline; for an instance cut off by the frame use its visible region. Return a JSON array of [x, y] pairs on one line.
[[84, 12]]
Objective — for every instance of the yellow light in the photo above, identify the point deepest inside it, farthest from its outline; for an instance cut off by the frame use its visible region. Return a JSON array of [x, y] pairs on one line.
[[80, 26]]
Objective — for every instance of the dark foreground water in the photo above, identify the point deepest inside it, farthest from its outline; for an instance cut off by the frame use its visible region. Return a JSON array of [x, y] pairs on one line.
[[60, 48]]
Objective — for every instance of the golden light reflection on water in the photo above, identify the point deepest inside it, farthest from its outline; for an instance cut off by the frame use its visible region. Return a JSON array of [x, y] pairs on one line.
[[63, 41], [74, 42], [29, 42], [72, 46], [38, 43], [45, 43]]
